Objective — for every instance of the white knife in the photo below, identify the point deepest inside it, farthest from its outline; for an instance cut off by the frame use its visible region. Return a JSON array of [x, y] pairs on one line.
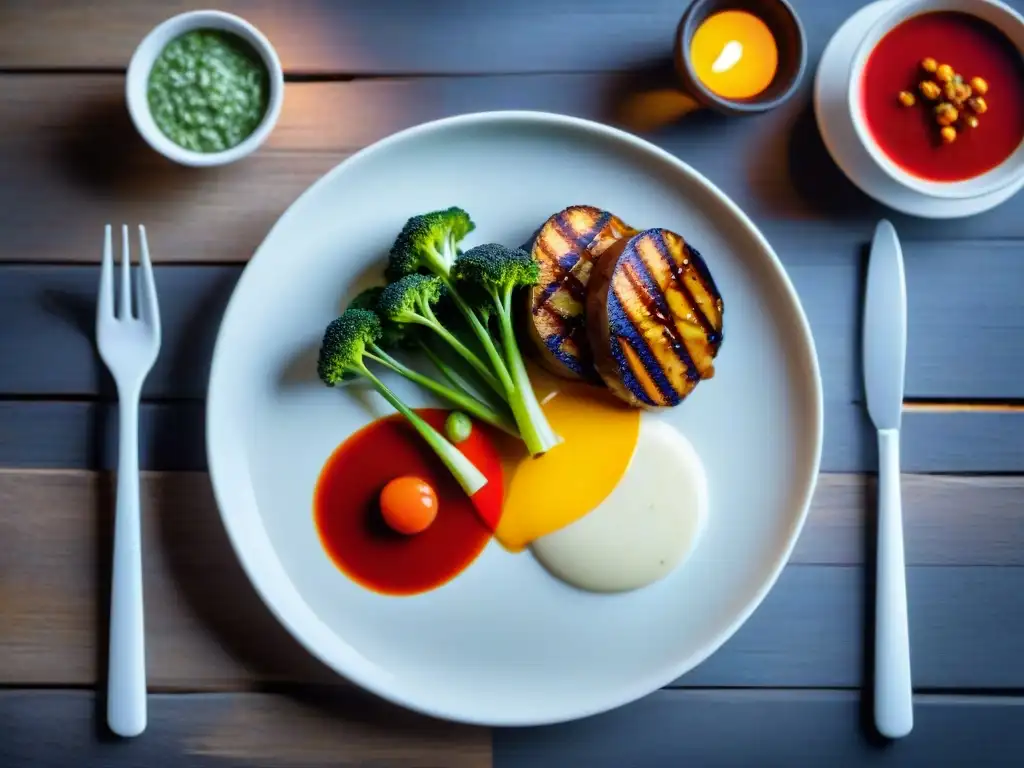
[[885, 348]]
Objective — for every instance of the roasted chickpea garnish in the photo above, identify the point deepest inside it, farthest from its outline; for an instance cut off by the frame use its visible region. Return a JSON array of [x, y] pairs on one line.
[[930, 90], [957, 101], [946, 114], [957, 91]]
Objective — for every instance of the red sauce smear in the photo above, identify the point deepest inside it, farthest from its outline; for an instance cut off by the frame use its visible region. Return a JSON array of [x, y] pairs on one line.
[[353, 532], [909, 135]]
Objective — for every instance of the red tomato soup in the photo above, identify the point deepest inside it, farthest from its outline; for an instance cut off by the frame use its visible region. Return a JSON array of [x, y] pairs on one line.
[[352, 530], [909, 135]]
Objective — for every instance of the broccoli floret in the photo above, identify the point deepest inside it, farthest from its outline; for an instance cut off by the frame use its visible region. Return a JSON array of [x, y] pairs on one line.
[[410, 300], [345, 344], [393, 336], [497, 271], [429, 242]]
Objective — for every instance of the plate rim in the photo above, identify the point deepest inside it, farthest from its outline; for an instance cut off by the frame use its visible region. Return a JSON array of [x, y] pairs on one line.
[[622, 695]]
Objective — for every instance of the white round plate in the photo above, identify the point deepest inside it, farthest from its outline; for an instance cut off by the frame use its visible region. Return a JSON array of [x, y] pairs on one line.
[[831, 110], [505, 643]]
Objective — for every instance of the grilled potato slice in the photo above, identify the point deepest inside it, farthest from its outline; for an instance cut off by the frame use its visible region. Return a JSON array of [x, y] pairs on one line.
[[654, 319], [565, 249]]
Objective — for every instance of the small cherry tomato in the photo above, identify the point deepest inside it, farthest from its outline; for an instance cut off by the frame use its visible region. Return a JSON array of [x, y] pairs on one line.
[[408, 504]]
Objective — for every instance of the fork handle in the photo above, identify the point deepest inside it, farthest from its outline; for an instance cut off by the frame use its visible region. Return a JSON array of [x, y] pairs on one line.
[[126, 681]]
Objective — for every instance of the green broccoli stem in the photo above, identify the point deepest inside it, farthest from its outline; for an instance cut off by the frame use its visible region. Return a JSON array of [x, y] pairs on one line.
[[465, 352], [459, 399], [465, 472], [443, 367], [495, 358], [534, 427], [464, 377]]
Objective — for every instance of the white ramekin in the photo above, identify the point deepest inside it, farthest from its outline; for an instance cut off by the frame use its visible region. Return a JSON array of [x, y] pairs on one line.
[[1003, 18], [148, 51]]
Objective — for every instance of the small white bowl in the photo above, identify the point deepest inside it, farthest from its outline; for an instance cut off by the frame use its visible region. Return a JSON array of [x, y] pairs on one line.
[[1003, 18], [142, 63]]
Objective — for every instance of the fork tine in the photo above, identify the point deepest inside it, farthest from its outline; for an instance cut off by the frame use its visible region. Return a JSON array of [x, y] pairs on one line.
[[105, 304], [149, 310], [125, 308]]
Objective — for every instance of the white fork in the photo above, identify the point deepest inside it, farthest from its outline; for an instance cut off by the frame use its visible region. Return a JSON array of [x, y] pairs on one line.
[[128, 344]]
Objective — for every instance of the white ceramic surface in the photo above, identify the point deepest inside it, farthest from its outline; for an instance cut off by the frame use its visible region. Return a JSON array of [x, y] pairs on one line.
[[1001, 16], [505, 643], [832, 111], [142, 62]]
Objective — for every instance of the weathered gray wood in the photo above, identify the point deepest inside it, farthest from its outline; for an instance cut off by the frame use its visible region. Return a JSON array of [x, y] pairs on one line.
[[393, 36], [65, 729], [774, 729], [815, 623], [706, 728], [53, 355], [49, 316], [73, 162], [948, 520], [207, 629], [83, 435], [57, 304], [965, 319]]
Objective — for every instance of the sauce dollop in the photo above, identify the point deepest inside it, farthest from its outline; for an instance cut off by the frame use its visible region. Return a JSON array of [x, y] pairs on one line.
[[346, 507], [645, 528]]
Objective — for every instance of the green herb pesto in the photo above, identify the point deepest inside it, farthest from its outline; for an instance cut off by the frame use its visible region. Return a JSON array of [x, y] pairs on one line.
[[208, 90]]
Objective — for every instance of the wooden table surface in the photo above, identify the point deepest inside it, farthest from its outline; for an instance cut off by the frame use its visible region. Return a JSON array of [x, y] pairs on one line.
[[229, 686]]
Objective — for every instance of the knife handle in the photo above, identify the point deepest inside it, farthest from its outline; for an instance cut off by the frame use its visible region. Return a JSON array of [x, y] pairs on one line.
[[894, 713]]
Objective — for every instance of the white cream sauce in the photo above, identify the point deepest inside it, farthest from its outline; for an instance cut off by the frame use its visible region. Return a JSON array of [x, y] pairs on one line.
[[647, 525]]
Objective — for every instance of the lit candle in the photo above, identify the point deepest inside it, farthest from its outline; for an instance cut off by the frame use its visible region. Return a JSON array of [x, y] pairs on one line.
[[734, 54]]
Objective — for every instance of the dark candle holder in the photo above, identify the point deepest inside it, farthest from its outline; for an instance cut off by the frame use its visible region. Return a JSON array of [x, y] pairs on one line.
[[785, 27]]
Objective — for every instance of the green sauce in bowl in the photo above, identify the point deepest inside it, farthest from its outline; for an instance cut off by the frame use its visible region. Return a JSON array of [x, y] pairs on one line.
[[208, 90]]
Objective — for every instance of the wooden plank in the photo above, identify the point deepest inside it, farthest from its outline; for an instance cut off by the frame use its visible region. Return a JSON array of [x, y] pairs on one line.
[[83, 435], [207, 629], [58, 304], [74, 162], [308, 729], [393, 36], [989, 316], [948, 520], [771, 728], [946, 440]]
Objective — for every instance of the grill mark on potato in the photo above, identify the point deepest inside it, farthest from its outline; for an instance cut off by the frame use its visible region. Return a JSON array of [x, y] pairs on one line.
[[676, 270], [625, 326], [657, 309], [634, 376]]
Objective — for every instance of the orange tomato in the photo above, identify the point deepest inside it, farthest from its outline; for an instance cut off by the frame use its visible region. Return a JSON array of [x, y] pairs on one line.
[[408, 504]]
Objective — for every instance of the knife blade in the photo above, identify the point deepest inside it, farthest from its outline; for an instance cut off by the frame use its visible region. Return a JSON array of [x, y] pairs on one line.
[[885, 329], [884, 353]]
